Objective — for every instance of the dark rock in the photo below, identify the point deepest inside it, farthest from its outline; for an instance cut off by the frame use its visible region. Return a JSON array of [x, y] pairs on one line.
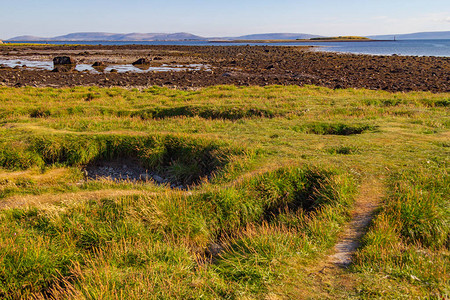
[[63, 60], [63, 64], [145, 177], [158, 179], [157, 58], [141, 61], [98, 64]]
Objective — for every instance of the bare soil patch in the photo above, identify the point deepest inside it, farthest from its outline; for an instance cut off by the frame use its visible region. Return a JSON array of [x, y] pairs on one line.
[[127, 169]]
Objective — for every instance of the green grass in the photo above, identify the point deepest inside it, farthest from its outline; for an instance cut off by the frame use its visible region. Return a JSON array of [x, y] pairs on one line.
[[273, 174], [409, 238]]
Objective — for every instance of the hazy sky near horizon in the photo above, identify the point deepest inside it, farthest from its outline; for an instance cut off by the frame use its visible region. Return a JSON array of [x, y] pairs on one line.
[[211, 18]]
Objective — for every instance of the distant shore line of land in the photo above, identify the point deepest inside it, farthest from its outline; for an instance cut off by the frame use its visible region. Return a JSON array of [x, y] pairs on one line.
[[271, 41], [299, 41]]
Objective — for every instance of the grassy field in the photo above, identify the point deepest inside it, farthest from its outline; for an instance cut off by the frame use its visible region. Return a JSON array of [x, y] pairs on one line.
[[269, 179]]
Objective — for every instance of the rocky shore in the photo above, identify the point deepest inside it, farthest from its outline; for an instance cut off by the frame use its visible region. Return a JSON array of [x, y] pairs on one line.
[[237, 65]]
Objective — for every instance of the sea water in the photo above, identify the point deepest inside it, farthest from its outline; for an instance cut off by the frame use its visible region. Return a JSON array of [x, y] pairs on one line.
[[400, 47]]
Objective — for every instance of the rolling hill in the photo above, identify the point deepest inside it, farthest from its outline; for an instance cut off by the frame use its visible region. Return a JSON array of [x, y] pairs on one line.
[[183, 36], [105, 36]]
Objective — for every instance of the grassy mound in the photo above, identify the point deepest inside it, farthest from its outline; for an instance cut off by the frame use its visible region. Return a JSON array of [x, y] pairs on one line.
[[44, 250], [325, 128], [183, 159], [226, 113]]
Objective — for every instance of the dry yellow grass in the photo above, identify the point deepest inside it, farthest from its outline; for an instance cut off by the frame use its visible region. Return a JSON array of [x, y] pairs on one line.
[[24, 201]]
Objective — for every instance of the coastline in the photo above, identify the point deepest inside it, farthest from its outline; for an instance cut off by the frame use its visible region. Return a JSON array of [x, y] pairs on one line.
[[229, 65], [299, 41], [437, 48]]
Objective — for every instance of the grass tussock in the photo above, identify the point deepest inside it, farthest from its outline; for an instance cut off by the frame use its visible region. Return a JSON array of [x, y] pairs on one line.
[[184, 159], [323, 128], [80, 243], [227, 113]]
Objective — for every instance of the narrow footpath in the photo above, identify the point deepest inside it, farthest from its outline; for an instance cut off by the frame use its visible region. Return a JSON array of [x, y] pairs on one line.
[[367, 202], [329, 277]]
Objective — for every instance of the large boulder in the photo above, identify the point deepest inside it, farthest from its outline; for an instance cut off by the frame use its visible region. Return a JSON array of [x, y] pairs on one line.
[[63, 64], [63, 60], [141, 61]]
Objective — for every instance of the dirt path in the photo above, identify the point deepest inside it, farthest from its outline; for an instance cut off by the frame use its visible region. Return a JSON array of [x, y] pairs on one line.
[[366, 204], [328, 279]]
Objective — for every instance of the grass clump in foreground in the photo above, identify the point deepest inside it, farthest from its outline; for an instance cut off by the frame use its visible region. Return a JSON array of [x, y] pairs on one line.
[[43, 250], [185, 160], [272, 173]]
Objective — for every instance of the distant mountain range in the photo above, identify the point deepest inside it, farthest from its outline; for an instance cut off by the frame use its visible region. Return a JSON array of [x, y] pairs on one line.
[[180, 36], [183, 36], [105, 36]]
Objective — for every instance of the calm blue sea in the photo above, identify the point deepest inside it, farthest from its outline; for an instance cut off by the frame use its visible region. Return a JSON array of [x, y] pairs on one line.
[[404, 47]]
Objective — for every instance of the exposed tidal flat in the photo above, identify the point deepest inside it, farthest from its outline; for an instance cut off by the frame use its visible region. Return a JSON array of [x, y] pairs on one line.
[[200, 66], [222, 191]]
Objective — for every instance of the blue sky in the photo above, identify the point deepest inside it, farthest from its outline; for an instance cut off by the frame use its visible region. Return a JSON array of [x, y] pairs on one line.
[[223, 18]]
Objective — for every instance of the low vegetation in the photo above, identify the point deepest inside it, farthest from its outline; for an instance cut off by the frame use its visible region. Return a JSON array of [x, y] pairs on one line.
[[359, 38], [409, 239], [270, 176]]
